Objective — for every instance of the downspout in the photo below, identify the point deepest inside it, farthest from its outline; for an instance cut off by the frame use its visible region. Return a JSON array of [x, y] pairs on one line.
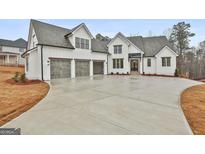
[[42, 62], [107, 63], [142, 64]]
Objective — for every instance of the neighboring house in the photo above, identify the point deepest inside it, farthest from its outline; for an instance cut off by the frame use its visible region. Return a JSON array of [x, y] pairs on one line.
[[10, 51], [56, 52]]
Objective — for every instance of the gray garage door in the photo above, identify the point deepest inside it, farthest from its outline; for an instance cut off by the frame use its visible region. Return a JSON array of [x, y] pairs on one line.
[[82, 68], [60, 68], [98, 67]]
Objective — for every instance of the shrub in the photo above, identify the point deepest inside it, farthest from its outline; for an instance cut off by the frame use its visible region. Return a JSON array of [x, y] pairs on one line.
[[19, 77], [177, 72], [16, 77], [23, 78], [128, 73], [117, 73], [111, 73]]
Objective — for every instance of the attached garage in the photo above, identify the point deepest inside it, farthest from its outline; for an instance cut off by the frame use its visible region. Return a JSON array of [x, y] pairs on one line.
[[98, 67], [60, 68], [82, 68]]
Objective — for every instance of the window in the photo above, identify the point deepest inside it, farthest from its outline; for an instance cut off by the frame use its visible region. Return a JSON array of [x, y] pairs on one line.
[[87, 44], [21, 50], [117, 49], [77, 42], [166, 61], [26, 64], [148, 62], [81, 43], [117, 63]]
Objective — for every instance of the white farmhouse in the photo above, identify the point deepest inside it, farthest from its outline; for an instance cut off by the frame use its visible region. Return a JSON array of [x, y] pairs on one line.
[[10, 51], [145, 55], [56, 52]]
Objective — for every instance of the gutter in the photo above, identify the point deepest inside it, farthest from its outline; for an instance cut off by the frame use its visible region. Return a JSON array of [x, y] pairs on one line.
[[42, 62], [22, 55]]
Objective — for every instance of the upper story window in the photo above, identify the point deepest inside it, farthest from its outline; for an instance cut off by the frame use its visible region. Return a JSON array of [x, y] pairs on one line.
[[81, 43], [21, 50], [166, 61], [117, 49], [149, 62]]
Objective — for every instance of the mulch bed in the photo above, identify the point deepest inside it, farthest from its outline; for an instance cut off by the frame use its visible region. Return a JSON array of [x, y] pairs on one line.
[[27, 82]]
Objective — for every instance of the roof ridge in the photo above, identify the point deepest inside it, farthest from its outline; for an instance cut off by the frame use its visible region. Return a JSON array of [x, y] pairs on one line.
[[8, 40], [155, 36]]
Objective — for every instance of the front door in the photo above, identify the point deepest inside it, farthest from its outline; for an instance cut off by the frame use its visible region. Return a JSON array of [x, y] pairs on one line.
[[134, 65]]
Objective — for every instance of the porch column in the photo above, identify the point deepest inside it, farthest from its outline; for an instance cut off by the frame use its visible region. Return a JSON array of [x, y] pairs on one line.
[[141, 65], [73, 68], [91, 67], [105, 67]]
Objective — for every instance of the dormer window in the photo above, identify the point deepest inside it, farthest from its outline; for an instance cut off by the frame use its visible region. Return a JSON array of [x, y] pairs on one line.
[[81, 43], [117, 49]]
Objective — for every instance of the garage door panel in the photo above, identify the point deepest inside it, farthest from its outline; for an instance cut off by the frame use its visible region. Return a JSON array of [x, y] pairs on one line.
[[60, 68], [98, 67], [82, 68]]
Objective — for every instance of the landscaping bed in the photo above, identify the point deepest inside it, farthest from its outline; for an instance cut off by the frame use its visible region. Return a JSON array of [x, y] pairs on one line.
[[193, 105], [17, 97]]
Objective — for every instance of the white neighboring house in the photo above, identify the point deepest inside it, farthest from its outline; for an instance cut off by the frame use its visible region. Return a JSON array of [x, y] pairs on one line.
[[144, 55], [10, 51], [56, 52]]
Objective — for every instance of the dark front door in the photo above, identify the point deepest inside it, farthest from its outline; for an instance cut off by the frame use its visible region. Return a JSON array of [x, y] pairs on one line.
[[134, 65]]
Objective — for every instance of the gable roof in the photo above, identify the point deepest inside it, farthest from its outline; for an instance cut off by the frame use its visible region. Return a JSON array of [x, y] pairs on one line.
[[52, 35], [20, 43], [151, 45], [126, 39], [77, 27]]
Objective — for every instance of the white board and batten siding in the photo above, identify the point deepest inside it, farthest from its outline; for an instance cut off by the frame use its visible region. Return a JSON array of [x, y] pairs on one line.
[[126, 49], [166, 52], [54, 52], [149, 69]]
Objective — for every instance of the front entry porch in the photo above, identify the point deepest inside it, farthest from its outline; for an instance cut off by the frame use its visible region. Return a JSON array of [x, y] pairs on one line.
[[135, 66]]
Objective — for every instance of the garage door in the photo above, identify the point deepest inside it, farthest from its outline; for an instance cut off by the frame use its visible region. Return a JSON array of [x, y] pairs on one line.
[[60, 68], [82, 68], [98, 67]]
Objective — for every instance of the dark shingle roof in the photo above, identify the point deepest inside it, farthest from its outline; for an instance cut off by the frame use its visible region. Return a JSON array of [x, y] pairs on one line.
[[99, 46], [138, 41], [150, 45], [20, 43], [48, 34]]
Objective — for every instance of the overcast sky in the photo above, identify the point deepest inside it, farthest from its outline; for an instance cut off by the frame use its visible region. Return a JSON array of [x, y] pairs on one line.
[[14, 29]]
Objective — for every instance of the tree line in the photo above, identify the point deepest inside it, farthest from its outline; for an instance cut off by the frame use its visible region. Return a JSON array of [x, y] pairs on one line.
[[190, 60]]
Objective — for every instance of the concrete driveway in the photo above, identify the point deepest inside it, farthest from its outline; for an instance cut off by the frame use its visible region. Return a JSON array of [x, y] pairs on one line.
[[109, 105]]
